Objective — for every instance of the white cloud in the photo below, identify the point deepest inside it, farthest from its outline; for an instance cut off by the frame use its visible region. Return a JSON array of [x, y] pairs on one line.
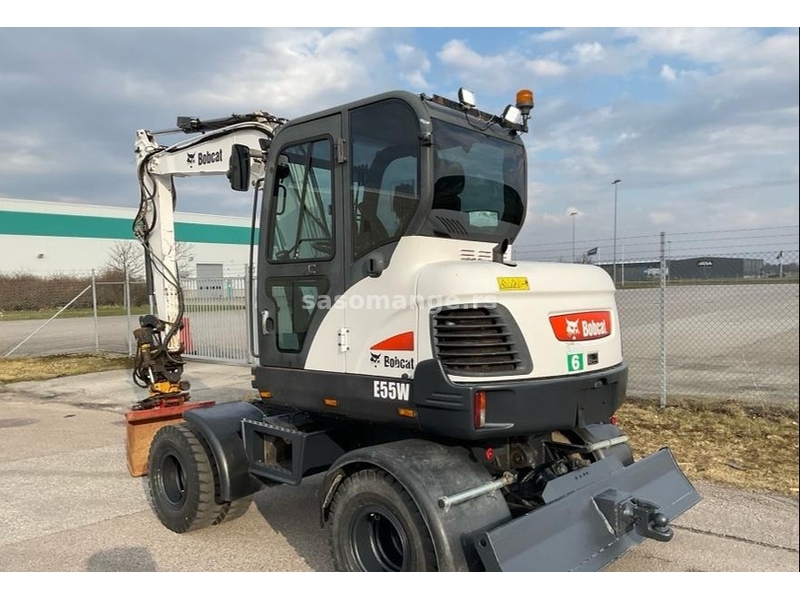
[[575, 35], [626, 136], [701, 44], [662, 218], [745, 217], [545, 67], [413, 64], [545, 217], [30, 153], [456, 53], [497, 72], [668, 73], [588, 52], [294, 71]]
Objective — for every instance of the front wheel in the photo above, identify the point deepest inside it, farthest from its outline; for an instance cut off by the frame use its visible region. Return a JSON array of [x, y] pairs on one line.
[[181, 480], [376, 526]]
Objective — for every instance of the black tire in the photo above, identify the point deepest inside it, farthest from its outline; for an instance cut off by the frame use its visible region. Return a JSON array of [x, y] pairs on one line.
[[181, 480], [233, 510], [376, 526]]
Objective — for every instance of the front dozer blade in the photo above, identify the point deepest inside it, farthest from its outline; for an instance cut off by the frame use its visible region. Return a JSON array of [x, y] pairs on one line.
[[592, 516]]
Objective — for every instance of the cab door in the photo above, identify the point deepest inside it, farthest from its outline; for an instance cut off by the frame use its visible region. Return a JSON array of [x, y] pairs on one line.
[[300, 250]]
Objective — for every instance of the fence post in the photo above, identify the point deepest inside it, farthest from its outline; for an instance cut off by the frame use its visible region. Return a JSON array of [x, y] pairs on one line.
[[94, 310], [128, 310], [662, 320]]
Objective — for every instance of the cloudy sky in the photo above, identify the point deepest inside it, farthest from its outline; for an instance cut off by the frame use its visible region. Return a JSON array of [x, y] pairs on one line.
[[700, 124]]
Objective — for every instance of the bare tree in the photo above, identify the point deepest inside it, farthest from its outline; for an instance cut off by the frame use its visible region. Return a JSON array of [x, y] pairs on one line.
[[126, 258], [184, 254], [129, 257]]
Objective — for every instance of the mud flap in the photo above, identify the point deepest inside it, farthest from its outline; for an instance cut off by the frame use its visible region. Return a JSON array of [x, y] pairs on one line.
[[592, 516]]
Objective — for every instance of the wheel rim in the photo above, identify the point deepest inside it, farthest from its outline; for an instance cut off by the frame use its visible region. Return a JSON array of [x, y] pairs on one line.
[[379, 541], [172, 478]]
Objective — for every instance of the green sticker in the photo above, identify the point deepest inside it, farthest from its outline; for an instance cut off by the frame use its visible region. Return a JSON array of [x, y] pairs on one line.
[[574, 362]]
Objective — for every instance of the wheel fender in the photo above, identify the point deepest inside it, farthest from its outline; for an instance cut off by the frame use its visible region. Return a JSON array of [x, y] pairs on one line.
[[221, 426], [427, 471]]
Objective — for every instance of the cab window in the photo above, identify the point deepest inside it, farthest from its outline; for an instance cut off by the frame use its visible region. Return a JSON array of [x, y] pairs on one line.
[[384, 174], [302, 205]]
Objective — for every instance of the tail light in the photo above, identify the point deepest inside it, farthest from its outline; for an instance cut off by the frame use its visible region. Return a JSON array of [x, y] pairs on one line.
[[479, 409]]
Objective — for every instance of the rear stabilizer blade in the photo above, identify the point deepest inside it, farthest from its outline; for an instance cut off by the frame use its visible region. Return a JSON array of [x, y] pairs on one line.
[[592, 517]]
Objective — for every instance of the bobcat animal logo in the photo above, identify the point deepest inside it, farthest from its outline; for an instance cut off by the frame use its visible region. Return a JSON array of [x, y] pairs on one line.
[[190, 158], [374, 358], [572, 328]]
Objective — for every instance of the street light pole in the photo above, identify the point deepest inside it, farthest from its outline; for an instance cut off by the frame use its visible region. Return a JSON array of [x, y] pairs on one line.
[[572, 214], [614, 183]]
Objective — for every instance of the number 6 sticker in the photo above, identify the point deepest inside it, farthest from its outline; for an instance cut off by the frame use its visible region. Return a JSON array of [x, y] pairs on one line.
[[574, 362]]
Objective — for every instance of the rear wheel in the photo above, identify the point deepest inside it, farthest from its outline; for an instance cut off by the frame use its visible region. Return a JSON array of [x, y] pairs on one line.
[[181, 480], [376, 526]]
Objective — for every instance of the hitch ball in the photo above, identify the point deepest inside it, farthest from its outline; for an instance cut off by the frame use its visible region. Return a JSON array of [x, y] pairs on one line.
[[660, 521], [655, 526]]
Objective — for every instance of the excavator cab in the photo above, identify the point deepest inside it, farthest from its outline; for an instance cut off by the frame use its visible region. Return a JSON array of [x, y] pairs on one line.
[[345, 188]]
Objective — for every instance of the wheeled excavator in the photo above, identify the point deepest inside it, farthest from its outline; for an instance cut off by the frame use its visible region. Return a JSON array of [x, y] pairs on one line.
[[460, 403]]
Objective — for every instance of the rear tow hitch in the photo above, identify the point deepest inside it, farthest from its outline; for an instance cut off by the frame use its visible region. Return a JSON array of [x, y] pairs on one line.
[[623, 511]]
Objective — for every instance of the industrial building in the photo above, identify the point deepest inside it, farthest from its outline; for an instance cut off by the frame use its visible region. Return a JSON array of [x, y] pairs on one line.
[[700, 267], [48, 238]]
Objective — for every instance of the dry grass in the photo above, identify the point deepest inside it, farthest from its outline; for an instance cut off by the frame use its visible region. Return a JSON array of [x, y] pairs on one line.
[[37, 368], [749, 447]]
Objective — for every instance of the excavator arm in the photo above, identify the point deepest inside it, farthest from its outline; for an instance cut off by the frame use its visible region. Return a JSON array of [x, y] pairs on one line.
[[206, 153], [159, 363]]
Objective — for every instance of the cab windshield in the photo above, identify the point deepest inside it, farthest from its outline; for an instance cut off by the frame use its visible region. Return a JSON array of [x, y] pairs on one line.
[[479, 184]]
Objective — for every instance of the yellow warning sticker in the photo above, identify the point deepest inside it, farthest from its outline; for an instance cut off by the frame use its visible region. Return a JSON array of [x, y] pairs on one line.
[[512, 284]]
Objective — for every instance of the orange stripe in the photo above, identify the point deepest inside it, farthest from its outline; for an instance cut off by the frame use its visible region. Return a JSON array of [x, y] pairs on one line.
[[399, 342]]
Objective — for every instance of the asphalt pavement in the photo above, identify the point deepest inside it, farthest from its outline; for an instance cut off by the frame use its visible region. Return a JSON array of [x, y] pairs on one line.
[[71, 506]]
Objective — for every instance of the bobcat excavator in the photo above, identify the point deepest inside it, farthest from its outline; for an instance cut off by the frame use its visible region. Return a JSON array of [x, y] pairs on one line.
[[459, 403]]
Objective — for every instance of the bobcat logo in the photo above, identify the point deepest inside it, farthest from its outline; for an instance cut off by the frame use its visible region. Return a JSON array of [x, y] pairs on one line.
[[374, 358], [190, 158], [572, 328]]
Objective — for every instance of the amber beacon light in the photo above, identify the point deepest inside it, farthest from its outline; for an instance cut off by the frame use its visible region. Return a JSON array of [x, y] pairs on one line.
[[525, 102]]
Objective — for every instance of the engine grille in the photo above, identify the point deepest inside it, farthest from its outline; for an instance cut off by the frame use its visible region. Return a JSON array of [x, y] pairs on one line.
[[478, 341]]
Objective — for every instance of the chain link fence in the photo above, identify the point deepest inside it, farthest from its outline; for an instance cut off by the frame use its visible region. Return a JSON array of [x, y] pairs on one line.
[[713, 325], [63, 314], [711, 315], [702, 315], [215, 318], [93, 313]]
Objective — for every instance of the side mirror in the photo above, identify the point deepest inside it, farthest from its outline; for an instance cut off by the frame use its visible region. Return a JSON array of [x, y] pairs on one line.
[[239, 168]]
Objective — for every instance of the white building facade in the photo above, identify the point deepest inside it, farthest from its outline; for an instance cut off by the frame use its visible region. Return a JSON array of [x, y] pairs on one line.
[[50, 238]]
